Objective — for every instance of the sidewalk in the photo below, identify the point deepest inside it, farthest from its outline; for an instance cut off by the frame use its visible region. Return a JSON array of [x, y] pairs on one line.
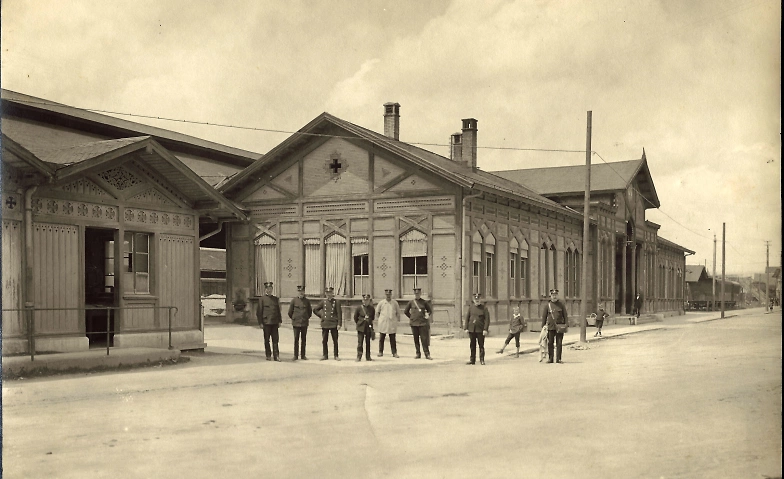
[[92, 360]]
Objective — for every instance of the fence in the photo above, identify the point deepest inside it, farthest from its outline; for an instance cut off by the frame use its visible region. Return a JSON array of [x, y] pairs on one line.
[[111, 313]]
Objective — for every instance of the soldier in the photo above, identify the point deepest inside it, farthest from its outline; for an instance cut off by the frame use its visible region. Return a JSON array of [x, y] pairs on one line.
[[300, 312], [556, 319], [477, 324], [268, 315], [419, 313], [388, 312], [364, 314], [329, 310]]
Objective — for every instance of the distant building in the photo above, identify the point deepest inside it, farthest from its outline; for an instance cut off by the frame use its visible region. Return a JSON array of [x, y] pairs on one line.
[[700, 292], [213, 271]]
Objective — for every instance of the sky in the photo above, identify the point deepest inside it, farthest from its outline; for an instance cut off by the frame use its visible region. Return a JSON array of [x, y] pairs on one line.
[[695, 83]]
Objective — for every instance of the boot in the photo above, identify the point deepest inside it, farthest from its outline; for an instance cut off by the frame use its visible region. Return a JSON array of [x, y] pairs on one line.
[[394, 355], [359, 358], [337, 358], [368, 358], [517, 354], [501, 351]]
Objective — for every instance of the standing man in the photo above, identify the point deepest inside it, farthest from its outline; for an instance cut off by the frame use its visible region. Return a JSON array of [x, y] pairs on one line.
[[637, 305], [388, 312], [364, 314], [300, 312], [268, 315], [556, 319], [477, 324], [331, 315], [419, 313]]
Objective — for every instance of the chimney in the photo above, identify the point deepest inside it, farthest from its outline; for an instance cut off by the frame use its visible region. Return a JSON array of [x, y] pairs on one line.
[[469, 142], [456, 150], [392, 120]]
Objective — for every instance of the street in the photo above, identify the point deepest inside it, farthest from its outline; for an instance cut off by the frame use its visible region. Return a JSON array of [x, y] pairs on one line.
[[685, 400]]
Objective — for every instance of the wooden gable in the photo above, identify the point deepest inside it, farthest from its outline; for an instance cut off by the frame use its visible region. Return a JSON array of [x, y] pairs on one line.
[[336, 168]]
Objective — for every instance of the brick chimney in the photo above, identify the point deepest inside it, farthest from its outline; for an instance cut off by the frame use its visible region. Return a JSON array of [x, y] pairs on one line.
[[469, 142], [392, 120], [456, 149]]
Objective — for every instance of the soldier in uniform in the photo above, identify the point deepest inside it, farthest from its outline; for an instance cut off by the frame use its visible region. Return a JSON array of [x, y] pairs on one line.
[[419, 312], [300, 312], [477, 324], [554, 313], [329, 310], [388, 312], [268, 315], [364, 314]]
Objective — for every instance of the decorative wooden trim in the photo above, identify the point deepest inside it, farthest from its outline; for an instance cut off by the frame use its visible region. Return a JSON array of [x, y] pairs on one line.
[[437, 203], [342, 208]]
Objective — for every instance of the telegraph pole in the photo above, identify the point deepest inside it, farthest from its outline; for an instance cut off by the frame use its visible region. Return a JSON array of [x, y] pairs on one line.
[[767, 275], [586, 222], [723, 264], [713, 294]]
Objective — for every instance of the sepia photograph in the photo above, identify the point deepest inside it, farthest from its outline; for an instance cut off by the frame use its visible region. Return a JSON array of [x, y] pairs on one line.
[[391, 239]]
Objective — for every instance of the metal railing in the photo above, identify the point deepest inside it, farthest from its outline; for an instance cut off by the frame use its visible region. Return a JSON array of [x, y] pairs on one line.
[[30, 333]]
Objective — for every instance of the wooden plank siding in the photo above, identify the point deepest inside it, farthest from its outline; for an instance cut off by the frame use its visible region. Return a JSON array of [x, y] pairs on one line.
[[56, 268], [176, 287], [13, 325]]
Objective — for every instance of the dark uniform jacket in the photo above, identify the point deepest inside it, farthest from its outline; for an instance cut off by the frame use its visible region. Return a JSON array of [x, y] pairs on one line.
[[559, 311], [477, 319], [364, 318], [516, 324], [300, 312], [330, 313], [415, 310], [268, 312]]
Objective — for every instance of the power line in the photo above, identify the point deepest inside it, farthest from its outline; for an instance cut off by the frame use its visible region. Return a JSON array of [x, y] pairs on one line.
[[274, 130]]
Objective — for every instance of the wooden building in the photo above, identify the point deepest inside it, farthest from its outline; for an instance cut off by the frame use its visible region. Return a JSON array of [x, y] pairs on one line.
[[700, 293], [339, 205], [102, 212]]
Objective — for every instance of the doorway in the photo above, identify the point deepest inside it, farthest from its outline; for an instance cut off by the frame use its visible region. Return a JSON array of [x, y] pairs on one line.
[[99, 286]]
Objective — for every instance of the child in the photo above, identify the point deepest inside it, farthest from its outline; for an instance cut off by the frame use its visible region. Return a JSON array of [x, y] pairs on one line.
[[543, 344], [600, 316], [515, 327]]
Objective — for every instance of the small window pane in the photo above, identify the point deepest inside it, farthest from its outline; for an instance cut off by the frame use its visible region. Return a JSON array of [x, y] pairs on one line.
[[141, 243], [421, 265], [409, 265], [142, 263]]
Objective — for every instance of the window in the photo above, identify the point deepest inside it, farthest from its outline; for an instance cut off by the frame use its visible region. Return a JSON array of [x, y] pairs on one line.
[[577, 270], [413, 252], [568, 265], [489, 289], [553, 270], [108, 267], [544, 270], [514, 263], [136, 262], [266, 254], [360, 267], [312, 266], [476, 263], [335, 248]]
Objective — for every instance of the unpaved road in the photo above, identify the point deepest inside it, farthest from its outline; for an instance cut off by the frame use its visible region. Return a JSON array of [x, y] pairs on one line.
[[691, 400]]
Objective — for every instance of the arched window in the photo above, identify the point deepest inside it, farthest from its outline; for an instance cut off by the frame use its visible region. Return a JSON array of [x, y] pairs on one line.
[[544, 270], [413, 253], [336, 267], [490, 266], [476, 263], [266, 260], [360, 266], [568, 274], [553, 270], [312, 266], [514, 268]]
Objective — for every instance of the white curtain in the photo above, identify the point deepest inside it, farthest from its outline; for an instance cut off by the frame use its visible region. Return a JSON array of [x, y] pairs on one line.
[[524, 249], [490, 244], [265, 262], [336, 263], [359, 246], [312, 266], [412, 244]]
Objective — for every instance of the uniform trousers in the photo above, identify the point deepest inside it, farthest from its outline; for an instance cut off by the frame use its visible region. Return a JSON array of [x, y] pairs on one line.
[[303, 333], [421, 333], [325, 333], [558, 338], [363, 338], [480, 338], [271, 331], [392, 343]]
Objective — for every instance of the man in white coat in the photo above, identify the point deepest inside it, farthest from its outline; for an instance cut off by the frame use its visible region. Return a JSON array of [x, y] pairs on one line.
[[387, 317]]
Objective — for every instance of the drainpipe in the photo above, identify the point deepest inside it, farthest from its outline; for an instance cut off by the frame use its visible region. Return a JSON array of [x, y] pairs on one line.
[[463, 256], [212, 233], [29, 282]]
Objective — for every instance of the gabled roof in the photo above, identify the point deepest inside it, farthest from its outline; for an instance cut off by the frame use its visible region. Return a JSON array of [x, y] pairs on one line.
[[68, 163], [672, 245], [570, 180], [212, 259], [694, 272], [56, 113], [457, 173]]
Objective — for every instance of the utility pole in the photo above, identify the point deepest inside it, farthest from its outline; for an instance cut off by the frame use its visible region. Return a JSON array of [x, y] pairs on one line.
[[767, 276], [723, 264], [586, 223], [713, 294]]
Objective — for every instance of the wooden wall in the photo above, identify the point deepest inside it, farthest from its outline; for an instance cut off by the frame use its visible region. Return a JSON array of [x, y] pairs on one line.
[[12, 278], [176, 287], [56, 275]]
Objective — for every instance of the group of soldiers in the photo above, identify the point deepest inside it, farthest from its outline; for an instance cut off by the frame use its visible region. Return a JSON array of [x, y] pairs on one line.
[[383, 318]]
